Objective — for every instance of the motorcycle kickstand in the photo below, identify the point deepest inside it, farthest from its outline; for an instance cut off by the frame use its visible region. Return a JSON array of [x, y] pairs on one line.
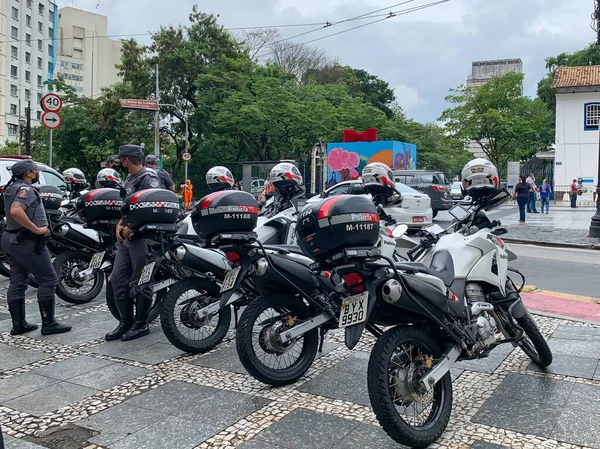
[[322, 339]]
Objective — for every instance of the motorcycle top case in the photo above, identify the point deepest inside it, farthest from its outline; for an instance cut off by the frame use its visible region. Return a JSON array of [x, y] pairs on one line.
[[99, 204], [156, 206], [333, 224], [225, 211], [51, 197]]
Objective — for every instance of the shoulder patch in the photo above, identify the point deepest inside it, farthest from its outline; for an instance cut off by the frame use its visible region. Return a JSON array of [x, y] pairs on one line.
[[23, 192], [154, 183]]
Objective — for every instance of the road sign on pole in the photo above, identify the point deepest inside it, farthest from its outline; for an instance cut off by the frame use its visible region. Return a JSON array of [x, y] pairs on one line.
[[186, 157], [51, 102], [51, 120]]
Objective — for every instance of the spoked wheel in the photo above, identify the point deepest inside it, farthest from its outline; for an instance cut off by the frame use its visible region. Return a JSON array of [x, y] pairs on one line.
[[71, 286], [154, 309], [180, 321], [259, 344], [408, 413]]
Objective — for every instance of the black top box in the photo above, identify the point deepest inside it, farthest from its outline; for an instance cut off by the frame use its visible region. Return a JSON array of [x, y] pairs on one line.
[[225, 211], [156, 206]]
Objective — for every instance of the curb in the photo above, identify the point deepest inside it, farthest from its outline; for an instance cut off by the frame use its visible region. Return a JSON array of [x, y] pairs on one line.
[[552, 244], [563, 317]]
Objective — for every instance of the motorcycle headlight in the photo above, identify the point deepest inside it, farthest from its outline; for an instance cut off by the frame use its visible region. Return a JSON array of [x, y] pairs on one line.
[[261, 266], [64, 229], [179, 253]]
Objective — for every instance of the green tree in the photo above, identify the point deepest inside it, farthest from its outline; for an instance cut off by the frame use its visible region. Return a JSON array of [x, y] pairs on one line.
[[502, 122]]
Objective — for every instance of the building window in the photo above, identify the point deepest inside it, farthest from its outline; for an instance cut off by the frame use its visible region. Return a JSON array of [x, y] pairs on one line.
[[40, 63], [40, 27], [28, 20], [39, 80], [27, 95], [13, 90], [14, 32], [39, 97], [592, 116], [50, 49], [28, 57], [13, 109], [27, 76], [28, 39], [12, 129], [29, 3], [50, 32], [51, 16], [13, 71], [41, 9], [39, 115], [40, 45], [14, 52], [15, 13]]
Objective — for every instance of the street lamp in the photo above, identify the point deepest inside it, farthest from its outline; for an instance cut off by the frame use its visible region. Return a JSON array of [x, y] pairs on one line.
[[22, 124]]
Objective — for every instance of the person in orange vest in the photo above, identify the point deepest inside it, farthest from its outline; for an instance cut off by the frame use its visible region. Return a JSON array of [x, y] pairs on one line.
[[187, 194]]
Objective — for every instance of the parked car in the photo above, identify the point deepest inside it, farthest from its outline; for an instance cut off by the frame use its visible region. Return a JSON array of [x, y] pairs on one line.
[[456, 191], [433, 183], [415, 211], [257, 186], [48, 176]]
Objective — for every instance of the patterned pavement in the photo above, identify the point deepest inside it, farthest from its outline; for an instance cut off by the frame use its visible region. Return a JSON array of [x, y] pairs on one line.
[[77, 391]]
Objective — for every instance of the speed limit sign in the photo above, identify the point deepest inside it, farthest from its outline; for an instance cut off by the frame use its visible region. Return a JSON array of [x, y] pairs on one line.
[[186, 156], [51, 102]]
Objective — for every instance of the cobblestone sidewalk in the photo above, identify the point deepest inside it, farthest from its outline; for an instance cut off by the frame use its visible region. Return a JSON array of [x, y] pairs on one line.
[[76, 391]]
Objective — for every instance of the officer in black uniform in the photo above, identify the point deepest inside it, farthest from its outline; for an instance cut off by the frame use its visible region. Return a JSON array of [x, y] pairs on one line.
[[132, 255], [165, 179], [24, 244]]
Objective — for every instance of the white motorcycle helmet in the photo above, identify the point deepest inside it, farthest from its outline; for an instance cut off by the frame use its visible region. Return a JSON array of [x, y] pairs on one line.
[[377, 178], [480, 178], [74, 176], [287, 180], [219, 178], [109, 179]]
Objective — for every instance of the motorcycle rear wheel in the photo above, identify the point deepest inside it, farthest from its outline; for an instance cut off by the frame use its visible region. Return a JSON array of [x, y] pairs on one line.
[[154, 309], [398, 360], [65, 266], [287, 309]]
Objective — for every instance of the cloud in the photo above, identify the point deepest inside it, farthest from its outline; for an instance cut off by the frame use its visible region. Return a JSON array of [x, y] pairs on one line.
[[408, 97]]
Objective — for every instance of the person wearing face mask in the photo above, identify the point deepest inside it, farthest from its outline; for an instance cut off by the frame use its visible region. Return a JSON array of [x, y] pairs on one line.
[[24, 244]]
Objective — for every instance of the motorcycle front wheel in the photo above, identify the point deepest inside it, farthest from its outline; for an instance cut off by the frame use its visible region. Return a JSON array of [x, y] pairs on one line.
[[154, 312], [180, 321], [259, 347], [407, 412], [532, 342], [70, 287]]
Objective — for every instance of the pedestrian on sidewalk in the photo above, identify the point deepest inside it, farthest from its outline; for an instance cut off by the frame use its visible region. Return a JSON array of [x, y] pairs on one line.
[[533, 190], [574, 190], [545, 192], [521, 193]]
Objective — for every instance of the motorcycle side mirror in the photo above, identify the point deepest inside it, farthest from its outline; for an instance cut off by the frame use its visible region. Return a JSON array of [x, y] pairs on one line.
[[399, 231], [323, 194], [500, 231]]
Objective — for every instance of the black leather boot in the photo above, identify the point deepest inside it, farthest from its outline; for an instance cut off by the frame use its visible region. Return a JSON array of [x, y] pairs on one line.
[[49, 324], [140, 326], [125, 308], [17, 313]]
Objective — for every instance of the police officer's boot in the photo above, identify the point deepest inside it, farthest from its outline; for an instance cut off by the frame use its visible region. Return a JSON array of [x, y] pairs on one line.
[[17, 313], [140, 326], [49, 324], [125, 308]]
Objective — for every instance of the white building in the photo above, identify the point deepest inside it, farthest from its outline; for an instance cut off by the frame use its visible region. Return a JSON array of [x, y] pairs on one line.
[[577, 120], [86, 57], [28, 31]]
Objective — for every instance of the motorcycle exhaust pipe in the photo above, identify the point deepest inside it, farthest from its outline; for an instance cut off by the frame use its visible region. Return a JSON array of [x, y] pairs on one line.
[[201, 259], [391, 291], [82, 236]]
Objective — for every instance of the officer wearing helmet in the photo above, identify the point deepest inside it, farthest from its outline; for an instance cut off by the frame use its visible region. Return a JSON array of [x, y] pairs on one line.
[[25, 248], [165, 179], [113, 161], [76, 181], [132, 255]]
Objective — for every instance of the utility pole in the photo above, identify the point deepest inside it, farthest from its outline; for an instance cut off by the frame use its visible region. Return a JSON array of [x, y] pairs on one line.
[[28, 129], [157, 119], [187, 142], [595, 223]]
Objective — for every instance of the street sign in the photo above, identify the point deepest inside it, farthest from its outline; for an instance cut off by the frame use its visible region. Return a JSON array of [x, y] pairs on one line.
[[51, 102], [146, 105], [160, 161], [512, 173], [186, 157], [51, 120]]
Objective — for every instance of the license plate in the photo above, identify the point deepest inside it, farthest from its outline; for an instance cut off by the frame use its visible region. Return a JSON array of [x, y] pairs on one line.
[[146, 275], [418, 219], [354, 309], [97, 260], [230, 278]]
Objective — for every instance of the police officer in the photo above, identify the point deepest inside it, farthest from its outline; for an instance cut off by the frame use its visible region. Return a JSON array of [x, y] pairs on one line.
[[25, 248], [132, 255], [112, 162], [165, 179]]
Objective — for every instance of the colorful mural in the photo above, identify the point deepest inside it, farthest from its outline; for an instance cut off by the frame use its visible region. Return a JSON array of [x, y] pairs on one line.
[[346, 160]]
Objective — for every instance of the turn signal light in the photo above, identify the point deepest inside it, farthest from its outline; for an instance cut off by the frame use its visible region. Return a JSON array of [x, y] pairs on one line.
[[354, 281]]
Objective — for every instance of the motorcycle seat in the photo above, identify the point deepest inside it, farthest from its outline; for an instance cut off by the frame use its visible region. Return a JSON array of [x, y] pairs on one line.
[[441, 267], [285, 249]]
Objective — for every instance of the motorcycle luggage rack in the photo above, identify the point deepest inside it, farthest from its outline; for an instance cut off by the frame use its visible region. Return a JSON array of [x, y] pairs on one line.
[[347, 255], [240, 237]]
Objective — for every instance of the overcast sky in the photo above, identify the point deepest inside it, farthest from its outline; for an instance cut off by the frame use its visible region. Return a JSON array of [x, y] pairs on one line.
[[421, 55]]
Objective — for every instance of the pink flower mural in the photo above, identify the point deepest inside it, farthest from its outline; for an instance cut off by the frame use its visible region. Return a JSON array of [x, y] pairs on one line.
[[344, 162]]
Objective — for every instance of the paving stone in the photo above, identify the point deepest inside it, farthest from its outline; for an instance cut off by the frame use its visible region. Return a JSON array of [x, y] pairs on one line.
[[13, 357], [577, 330], [119, 422], [484, 445], [568, 365], [5, 326], [346, 381], [172, 397], [585, 398], [85, 328], [569, 335], [21, 384], [455, 373], [256, 443], [577, 427], [488, 364], [170, 432], [225, 359], [366, 436], [153, 354], [22, 444], [597, 375], [118, 348], [50, 398], [318, 430], [73, 367], [109, 376], [580, 348]]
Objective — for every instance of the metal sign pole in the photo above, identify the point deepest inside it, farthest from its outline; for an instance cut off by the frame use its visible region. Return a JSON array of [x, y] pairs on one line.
[[50, 152], [186, 173]]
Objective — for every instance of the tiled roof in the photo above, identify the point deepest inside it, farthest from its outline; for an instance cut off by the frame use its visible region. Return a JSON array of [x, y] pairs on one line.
[[579, 76]]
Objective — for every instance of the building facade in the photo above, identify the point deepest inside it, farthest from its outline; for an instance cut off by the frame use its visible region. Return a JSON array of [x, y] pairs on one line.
[[484, 71], [577, 124], [86, 56], [28, 30]]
